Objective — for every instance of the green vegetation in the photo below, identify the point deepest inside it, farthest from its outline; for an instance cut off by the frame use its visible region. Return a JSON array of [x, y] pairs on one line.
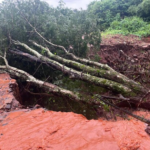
[[60, 25], [129, 25], [73, 29], [122, 16]]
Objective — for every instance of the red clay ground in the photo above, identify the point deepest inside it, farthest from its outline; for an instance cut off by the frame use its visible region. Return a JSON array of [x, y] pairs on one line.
[[128, 40], [48, 130], [8, 93]]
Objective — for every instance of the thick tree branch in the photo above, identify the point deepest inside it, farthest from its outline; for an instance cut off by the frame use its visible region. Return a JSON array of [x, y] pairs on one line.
[[79, 75], [125, 111], [82, 60], [45, 85], [107, 74]]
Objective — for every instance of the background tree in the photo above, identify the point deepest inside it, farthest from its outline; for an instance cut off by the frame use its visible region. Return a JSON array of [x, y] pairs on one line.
[[143, 10], [107, 11]]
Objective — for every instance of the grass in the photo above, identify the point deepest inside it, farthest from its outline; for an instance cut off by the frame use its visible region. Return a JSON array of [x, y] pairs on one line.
[[132, 25], [140, 33]]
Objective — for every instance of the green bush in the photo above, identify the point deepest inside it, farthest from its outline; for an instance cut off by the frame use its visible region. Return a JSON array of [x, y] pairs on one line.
[[130, 25]]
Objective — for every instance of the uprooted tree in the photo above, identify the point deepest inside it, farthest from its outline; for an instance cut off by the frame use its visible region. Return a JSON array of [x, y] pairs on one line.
[[58, 38]]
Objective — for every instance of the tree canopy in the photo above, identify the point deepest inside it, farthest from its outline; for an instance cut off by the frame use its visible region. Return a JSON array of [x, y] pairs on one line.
[[107, 11], [61, 25]]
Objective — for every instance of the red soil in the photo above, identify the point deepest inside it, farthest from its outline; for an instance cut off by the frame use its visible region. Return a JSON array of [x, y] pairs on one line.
[[45, 130], [128, 55], [126, 40], [8, 87]]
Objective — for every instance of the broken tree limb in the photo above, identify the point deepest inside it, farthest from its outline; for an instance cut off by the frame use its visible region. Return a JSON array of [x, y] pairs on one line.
[[78, 59], [45, 85], [29, 78], [107, 74], [111, 85], [125, 111]]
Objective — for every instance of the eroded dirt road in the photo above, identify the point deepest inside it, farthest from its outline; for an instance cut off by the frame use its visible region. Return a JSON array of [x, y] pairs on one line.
[[45, 130]]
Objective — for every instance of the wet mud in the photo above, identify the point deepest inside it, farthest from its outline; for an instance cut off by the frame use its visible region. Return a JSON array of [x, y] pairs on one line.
[[45, 130]]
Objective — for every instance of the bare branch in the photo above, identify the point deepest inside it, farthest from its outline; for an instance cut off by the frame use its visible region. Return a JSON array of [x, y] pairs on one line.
[[125, 111], [48, 86], [79, 75]]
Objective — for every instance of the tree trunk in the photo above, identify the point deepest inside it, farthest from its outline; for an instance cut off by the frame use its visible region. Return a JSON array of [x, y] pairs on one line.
[[108, 73], [111, 79], [50, 88]]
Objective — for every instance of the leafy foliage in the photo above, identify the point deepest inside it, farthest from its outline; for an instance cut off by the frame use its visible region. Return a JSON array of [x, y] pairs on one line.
[[107, 11], [130, 25], [60, 25], [143, 10]]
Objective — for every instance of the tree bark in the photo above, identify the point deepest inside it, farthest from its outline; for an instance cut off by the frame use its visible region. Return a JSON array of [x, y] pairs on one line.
[[108, 73], [45, 85], [130, 89], [53, 88]]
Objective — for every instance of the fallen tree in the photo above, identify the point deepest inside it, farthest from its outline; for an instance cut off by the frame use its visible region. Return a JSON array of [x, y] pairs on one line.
[[29, 42], [106, 78], [51, 88]]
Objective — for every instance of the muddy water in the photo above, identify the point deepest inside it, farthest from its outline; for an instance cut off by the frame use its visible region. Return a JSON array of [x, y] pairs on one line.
[[46, 130]]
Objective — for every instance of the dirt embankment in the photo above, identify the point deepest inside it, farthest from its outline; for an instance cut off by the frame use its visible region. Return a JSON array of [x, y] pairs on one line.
[[124, 48], [133, 40], [128, 55], [9, 93]]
